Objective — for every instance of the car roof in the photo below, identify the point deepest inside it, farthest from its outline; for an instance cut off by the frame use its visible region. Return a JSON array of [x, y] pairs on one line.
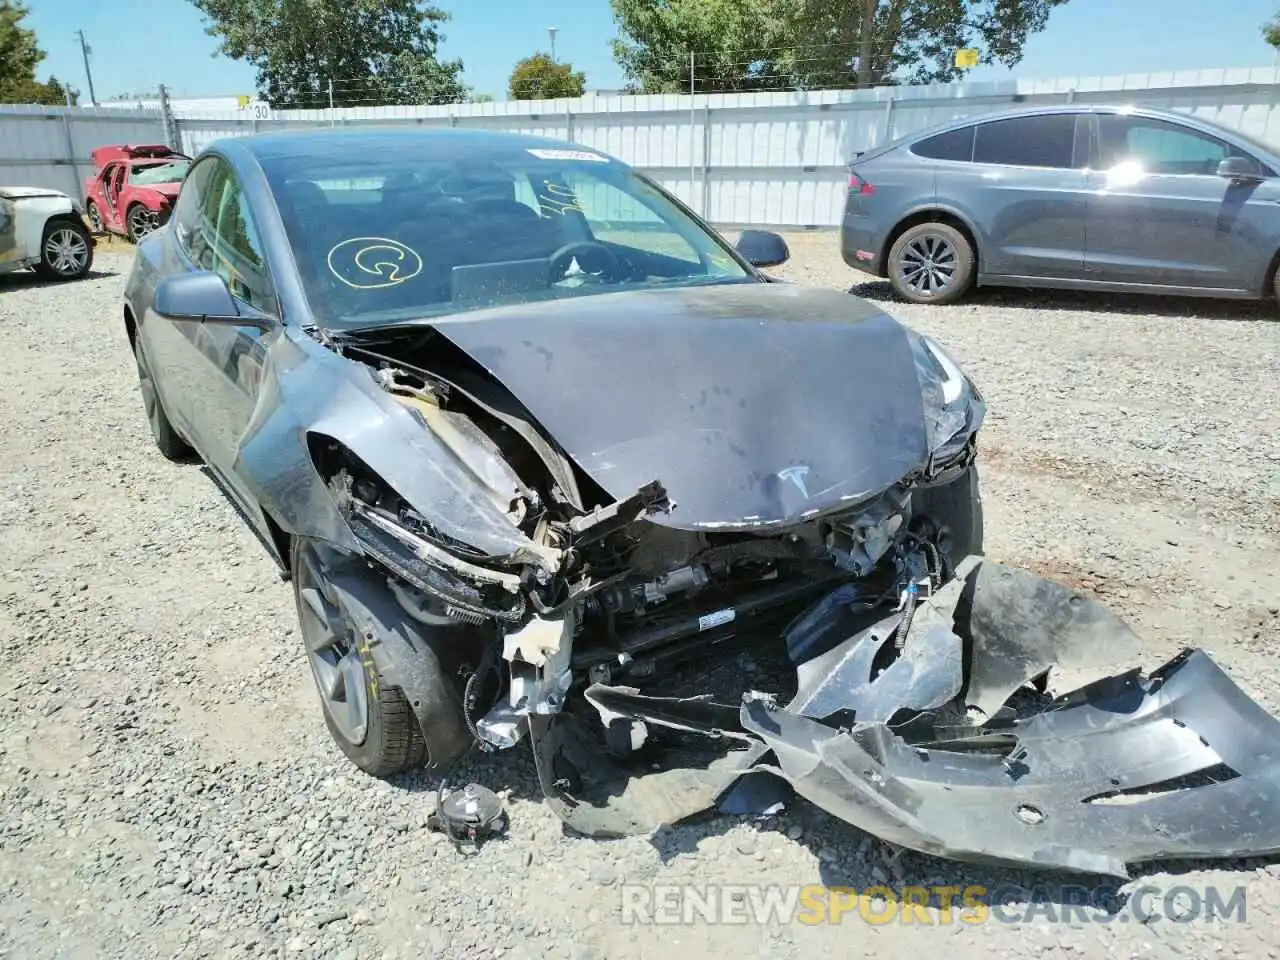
[[1155, 113], [338, 144]]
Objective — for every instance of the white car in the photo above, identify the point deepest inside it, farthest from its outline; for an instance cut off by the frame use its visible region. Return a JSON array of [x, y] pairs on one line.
[[46, 230]]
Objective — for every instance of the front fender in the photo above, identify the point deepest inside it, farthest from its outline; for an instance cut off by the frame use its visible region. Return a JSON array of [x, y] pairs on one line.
[[306, 389], [152, 201]]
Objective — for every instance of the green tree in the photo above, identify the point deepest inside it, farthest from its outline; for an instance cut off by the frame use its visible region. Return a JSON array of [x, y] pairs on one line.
[[19, 57], [1271, 31], [540, 78], [734, 41], [373, 51], [815, 44]]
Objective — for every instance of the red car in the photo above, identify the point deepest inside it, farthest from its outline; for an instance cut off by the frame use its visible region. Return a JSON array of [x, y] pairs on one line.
[[133, 189]]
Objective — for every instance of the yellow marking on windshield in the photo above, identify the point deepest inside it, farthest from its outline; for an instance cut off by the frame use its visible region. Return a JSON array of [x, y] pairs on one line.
[[373, 263], [559, 199]]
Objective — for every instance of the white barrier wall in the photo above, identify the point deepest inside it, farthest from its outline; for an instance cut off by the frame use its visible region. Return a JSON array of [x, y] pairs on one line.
[[775, 159], [50, 146]]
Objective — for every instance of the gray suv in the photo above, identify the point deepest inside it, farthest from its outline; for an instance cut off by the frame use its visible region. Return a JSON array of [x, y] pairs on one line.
[[1120, 199]]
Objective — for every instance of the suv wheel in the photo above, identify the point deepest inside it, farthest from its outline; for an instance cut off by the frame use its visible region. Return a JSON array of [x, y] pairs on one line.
[[931, 263], [66, 250]]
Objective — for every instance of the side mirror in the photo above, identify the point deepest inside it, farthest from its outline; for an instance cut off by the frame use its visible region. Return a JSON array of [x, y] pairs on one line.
[[762, 248], [199, 296], [1239, 168]]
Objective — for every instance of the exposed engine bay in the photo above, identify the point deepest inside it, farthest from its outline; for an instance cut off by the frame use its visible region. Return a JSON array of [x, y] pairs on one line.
[[624, 595], [903, 644]]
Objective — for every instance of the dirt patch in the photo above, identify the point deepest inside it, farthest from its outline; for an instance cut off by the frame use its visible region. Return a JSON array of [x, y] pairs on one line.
[[1105, 587], [1192, 498]]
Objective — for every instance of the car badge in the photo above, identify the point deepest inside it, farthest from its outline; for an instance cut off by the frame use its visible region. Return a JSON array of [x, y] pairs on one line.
[[796, 475]]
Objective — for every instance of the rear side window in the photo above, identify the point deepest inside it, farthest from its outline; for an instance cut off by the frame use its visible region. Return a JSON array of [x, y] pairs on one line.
[[952, 145], [1045, 141]]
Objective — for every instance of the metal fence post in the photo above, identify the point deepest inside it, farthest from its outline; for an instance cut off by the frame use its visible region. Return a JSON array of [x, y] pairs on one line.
[[888, 121], [331, 120], [706, 160], [693, 126], [71, 150], [167, 118]]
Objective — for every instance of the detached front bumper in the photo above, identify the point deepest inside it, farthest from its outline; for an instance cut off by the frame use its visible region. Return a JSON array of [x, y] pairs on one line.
[[1090, 786], [930, 752]]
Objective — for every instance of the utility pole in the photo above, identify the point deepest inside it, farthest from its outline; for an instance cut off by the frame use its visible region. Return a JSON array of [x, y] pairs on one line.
[[552, 31], [84, 52]]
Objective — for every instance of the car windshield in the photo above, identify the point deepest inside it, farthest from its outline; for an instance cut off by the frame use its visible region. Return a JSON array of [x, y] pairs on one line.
[[150, 174], [410, 231]]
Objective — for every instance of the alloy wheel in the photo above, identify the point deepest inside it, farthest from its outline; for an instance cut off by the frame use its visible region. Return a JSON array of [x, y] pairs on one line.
[[66, 252], [332, 650], [928, 265], [141, 222]]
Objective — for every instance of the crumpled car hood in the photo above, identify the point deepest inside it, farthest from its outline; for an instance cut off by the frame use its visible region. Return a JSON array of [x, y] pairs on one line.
[[755, 403]]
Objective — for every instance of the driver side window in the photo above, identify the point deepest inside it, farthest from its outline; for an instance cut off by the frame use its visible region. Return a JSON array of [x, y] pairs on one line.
[[615, 216], [213, 224], [1160, 147]]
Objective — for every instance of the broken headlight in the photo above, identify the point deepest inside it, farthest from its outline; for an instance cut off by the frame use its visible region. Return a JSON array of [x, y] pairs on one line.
[[954, 407]]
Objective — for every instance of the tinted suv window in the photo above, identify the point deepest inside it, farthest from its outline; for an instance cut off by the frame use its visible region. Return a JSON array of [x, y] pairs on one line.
[[952, 145], [1160, 147], [1046, 141]]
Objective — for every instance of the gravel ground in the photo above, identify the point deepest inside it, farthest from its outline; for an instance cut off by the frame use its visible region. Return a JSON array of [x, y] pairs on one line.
[[167, 786]]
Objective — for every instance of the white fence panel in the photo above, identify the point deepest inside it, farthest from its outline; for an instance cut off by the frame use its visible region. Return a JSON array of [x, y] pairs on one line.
[[51, 146], [774, 159]]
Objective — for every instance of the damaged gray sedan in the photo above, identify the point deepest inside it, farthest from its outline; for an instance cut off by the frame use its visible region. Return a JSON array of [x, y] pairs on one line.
[[547, 460]]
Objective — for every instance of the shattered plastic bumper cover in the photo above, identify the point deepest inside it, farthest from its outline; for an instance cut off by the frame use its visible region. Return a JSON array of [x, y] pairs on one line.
[[1058, 799], [929, 753]]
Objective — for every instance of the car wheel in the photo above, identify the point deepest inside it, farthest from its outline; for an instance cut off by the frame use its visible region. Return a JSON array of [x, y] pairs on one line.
[[66, 251], [167, 438], [95, 217], [370, 719], [140, 221], [931, 263]]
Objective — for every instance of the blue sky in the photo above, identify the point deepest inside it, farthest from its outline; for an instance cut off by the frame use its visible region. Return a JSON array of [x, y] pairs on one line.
[[1083, 37]]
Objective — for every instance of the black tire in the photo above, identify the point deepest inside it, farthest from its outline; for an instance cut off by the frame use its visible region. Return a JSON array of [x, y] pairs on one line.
[[66, 250], [386, 740], [168, 439], [931, 253], [95, 218]]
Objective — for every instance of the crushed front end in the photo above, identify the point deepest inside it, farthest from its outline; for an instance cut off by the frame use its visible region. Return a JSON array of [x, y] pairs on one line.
[[861, 653]]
